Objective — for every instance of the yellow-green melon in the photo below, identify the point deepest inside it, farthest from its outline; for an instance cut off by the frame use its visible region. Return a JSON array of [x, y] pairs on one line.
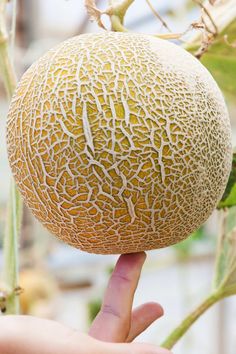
[[119, 142]]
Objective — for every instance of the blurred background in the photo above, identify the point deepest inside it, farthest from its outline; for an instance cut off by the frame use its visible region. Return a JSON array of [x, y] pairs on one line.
[[66, 284]]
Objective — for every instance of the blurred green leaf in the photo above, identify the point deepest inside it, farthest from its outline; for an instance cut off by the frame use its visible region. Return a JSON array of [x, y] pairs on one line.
[[220, 60], [230, 200], [225, 278], [229, 197]]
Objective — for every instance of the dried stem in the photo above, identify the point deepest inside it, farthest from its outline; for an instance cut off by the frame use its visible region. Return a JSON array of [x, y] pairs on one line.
[[209, 16], [157, 15]]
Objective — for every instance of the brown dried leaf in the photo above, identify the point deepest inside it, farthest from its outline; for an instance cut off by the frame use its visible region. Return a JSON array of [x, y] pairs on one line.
[[93, 12]]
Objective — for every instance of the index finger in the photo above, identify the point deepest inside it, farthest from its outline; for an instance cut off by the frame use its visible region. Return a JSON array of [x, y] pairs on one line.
[[112, 324]]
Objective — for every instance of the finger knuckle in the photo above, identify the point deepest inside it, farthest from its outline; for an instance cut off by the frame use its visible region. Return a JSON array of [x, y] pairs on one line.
[[121, 278], [110, 310]]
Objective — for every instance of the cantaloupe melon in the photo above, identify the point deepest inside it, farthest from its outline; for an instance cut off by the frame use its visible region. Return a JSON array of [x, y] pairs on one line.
[[119, 142]]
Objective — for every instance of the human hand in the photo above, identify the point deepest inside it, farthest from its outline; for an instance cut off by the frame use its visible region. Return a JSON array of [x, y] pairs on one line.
[[114, 327]]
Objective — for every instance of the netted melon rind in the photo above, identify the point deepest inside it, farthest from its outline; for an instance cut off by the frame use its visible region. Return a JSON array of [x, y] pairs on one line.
[[119, 142]]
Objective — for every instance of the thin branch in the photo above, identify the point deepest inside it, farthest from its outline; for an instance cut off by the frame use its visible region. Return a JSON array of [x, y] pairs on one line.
[[169, 35], [209, 30], [157, 15], [208, 15], [206, 42], [206, 27]]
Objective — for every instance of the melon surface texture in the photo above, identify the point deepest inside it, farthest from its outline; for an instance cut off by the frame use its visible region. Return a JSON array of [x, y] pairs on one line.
[[119, 142]]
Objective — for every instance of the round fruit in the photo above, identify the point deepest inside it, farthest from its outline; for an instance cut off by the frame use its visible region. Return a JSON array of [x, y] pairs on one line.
[[119, 142]]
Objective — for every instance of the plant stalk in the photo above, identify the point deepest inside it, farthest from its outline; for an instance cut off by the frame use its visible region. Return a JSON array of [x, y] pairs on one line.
[[14, 211], [10, 267], [6, 66], [179, 331], [7, 71], [116, 24], [118, 11], [120, 7]]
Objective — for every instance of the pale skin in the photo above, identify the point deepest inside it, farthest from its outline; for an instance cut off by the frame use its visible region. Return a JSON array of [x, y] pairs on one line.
[[112, 331]]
